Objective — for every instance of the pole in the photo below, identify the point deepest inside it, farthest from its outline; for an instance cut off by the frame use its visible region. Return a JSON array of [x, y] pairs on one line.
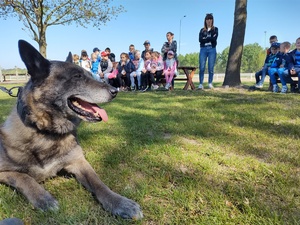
[[180, 34], [265, 39]]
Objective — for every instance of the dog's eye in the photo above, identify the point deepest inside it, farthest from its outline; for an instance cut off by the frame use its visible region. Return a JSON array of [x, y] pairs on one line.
[[78, 75]]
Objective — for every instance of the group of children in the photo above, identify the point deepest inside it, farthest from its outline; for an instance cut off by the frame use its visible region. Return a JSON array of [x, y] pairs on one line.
[[133, 72], [280, 63]]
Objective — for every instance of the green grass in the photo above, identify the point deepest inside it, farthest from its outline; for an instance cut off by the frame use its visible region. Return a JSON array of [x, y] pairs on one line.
[[187, 157]]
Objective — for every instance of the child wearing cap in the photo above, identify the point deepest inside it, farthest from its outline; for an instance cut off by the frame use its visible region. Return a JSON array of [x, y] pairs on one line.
[[147, 48], [170, 66], [105, 67], [280, 67], [268, 62]]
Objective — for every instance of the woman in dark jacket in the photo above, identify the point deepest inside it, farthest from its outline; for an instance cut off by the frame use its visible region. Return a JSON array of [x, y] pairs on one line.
[[208, 41]]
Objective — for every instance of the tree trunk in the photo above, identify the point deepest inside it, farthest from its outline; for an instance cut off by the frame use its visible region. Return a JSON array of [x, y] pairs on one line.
[[232, 74], [43, 44]]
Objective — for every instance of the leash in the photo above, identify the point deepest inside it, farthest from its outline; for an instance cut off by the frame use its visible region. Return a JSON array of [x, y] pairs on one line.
[[11, 92]]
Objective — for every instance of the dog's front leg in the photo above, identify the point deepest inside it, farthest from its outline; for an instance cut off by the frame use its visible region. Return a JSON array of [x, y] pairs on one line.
[[31, 189], [112, 202]]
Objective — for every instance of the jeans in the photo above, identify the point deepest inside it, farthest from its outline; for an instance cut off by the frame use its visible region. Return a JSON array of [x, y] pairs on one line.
[[272, 73], [284, 76], [136, 74], [263, 72], [210, 54]]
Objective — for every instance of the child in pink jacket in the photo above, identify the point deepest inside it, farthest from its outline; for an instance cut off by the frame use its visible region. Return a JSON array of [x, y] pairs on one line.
[[170, 69]]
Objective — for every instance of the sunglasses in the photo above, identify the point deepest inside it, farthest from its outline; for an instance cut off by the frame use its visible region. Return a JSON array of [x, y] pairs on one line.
[[209, 14]]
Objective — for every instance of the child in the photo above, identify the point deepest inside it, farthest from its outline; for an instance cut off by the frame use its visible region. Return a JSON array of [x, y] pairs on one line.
[[157, 66], [85, 61], [146, 71], [170, 66], [125, 67], [105, 67], [280, 67], [76, 59], [94, 67], [268, 62], [294, 61], [139, 65]]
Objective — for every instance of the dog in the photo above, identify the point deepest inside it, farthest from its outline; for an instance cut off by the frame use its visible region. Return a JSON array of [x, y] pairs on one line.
[[38, 139]]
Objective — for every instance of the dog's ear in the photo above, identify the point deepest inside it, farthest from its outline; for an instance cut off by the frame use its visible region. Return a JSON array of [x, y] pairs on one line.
[[38, 67], [69, 58]]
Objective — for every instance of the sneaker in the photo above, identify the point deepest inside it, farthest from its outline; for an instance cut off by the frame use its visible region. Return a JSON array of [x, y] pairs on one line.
[[275, 88], [200, 86], [210, 86], [133, 88], [143, 89], [167, 86], [284, 89], [259, 85], [154, 86]]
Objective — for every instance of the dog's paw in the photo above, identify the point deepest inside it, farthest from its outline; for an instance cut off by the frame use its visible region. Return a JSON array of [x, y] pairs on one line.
[[124, 207], [46, 202]]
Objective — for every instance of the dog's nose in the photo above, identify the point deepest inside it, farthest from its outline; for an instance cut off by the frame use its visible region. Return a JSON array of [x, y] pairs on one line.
[[113, 91]]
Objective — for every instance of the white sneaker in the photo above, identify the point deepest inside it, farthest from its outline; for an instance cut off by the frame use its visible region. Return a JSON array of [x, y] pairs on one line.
[[154, 86], [200, 86], [210, 86], [167, 86]]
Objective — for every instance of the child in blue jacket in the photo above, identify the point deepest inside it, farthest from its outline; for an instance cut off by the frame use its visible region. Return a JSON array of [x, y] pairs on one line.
[[268, 62], [280, 67]]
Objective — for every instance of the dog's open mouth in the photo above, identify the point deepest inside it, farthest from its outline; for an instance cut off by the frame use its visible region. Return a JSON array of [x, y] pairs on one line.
[[87, 111]]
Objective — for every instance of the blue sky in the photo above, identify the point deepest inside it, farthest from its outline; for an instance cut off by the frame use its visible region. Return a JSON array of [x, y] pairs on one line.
[[151, 20]]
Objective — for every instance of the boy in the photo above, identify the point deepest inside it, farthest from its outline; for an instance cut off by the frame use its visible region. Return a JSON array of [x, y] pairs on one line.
[[268, 62], [294, 61], [280, 66]]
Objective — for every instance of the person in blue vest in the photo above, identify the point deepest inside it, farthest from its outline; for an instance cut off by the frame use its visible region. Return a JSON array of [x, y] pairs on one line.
[[294, 62]]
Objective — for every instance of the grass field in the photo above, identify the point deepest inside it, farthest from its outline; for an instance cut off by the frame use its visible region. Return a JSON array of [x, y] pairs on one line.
[[222, 156]]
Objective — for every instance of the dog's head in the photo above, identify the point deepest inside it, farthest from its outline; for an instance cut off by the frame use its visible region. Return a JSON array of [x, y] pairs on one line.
[[59, 94]]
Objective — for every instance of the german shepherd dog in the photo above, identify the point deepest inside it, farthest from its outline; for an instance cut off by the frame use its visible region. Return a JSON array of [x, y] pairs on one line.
[[38, 139]]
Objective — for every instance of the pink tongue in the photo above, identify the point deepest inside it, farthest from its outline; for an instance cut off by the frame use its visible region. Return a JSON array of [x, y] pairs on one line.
[[101, 112], [94, 109]]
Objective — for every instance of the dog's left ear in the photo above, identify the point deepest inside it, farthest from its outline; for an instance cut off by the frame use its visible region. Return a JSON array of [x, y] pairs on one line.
[[69, 58], [38, 67]]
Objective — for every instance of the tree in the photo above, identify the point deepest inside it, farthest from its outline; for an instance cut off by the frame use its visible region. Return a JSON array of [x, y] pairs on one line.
[[38, 15], [232, 74]]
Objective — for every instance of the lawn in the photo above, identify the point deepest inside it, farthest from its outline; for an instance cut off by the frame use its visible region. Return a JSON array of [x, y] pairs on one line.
[[222, 156]]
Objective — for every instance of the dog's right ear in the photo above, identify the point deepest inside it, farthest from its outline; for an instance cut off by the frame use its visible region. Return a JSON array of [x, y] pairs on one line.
[[69, 58], [38, 67]]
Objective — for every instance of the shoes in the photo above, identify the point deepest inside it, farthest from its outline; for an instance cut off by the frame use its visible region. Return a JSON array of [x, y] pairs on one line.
[[210, 86], [275, 88], [143, 89], [259, 85], [284, 89], [154, 86], [294, 88], [133, 88], [167, 86], [200, 86]]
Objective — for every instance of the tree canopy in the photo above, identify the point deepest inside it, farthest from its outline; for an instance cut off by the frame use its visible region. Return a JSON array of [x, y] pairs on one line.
[[38, 15]]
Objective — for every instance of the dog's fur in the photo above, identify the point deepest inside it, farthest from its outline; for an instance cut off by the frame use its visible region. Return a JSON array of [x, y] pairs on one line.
[[39, 139]]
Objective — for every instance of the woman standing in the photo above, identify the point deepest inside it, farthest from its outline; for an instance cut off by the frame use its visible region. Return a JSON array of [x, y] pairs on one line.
[[208, 40]]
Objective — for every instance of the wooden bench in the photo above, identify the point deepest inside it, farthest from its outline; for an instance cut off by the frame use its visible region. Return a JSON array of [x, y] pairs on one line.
[[294, 78], [189, 72]]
